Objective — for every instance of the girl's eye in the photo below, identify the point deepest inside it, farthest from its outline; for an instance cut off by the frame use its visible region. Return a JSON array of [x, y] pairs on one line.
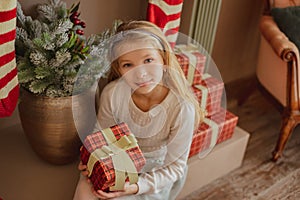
[[126, 65], [148, 60]]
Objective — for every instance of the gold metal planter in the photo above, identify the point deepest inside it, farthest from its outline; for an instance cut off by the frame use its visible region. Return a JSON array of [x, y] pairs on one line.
[[49, 125]]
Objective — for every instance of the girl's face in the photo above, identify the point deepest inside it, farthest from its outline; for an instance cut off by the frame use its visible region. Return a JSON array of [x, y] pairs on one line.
[[142, 69]]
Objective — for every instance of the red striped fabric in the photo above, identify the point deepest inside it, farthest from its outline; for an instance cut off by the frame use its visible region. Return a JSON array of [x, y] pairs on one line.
[[6, 15], [7, 58], [159, 17], [9, 87], [172, 2], [6, 37], [166, 15], [9, 76], [8, 104]]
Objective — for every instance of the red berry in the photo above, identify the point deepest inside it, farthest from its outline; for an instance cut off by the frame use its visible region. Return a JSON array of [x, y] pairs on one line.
[[73, 17], [79, 32], [82, 24], [75, 14], [76, 21]]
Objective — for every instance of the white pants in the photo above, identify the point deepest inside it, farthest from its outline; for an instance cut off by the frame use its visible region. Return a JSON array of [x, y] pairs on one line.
[[84, 190]]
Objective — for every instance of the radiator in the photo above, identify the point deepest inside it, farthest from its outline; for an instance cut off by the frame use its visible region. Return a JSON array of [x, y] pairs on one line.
[[204, 22]]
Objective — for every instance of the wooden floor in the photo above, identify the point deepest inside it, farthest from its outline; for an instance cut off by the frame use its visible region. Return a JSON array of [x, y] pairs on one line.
[[259, 177]]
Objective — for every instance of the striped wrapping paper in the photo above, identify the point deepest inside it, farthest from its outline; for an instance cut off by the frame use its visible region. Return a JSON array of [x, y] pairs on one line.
[[104, 170], [9, 87], [166, 14], [214, 130]]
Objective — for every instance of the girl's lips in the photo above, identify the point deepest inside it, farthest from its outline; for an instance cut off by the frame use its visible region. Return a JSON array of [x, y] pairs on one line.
[[143, 84]]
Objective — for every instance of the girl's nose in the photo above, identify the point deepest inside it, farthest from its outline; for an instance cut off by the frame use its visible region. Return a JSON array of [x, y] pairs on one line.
[[141, 72]]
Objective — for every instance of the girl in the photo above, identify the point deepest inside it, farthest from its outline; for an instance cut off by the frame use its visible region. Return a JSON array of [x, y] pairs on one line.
[[148, 91]]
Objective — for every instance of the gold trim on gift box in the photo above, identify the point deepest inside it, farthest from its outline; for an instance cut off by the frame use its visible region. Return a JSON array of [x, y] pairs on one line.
[[188, 51], [214, 136]]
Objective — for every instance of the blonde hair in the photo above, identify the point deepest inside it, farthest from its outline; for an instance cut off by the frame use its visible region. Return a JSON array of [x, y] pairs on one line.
[[149, 31]]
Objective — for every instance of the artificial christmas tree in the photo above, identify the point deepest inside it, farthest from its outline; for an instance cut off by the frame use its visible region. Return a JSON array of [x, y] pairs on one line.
[[57, 69]]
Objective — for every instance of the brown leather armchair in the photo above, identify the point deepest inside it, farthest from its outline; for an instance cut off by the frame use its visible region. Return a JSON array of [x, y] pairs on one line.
[[278, 71]]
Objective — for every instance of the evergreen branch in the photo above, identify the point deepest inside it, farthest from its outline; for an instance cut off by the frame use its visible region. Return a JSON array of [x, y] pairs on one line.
[[21, 18], [41, 72], [46, 13], [57, 3], [38, 86], [51, 50], [62, 26], [26, 75]]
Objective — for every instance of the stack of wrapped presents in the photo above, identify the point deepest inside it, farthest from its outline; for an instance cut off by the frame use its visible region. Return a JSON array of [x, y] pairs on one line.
[[218, 145], [218, 124]]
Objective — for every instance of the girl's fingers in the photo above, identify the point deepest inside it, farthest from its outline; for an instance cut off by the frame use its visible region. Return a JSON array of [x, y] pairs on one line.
[[81, 166], [108, 195], [99, 195], [85, 173], [83, 169]]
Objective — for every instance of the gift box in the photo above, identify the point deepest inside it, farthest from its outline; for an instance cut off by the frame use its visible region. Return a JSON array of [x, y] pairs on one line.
[[191, 61], [212, 131], [113, 157], [209, 94], [223, 159]]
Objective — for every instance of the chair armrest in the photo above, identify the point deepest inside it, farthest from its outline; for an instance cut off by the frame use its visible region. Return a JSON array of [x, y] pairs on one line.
[[280, 43]]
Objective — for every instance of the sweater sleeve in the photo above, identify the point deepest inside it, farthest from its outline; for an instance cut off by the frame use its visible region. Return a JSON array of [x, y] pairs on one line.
[[177, 153]]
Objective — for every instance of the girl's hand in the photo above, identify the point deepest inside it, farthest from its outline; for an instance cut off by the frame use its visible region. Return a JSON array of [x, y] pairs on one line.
[[128, 189], [83, 169]]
